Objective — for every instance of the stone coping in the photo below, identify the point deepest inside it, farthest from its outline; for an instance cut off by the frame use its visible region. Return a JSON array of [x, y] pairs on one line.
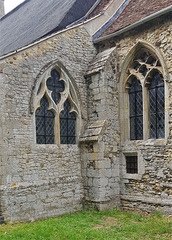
[[92, 131]]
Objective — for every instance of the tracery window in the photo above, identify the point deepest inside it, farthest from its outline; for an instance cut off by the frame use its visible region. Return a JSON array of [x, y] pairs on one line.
[[56, 109], [145, 78]]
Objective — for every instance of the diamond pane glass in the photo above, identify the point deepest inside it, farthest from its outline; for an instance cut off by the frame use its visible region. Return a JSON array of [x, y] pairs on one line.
[[152, 101], [160, 99], [136, 110], [132, 129], [139, 103], [152, 123], [44, 123], [40, 140], [67, 125], [160, 125], [63, 128], [71, 140], [49, 139], [132, 104], [49, 123], [71, 127], [156, 107], [55, 85], [139, 128], [63, 140], [40, 125]]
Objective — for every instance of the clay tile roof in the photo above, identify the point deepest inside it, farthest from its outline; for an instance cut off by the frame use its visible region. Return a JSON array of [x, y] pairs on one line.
[[135, 11]]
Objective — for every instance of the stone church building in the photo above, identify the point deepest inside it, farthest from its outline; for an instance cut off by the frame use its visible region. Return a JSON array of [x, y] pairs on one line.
[[85, 107]]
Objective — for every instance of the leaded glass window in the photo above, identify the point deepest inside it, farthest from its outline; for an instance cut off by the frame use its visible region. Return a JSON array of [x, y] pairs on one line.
[[55, 123], [146, 70], [136, 110], [44, 123], [67, 125], [156, 106]]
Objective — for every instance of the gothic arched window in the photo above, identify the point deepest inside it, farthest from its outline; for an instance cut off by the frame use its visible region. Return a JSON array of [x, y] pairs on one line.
[[145, 86], [56, 110]]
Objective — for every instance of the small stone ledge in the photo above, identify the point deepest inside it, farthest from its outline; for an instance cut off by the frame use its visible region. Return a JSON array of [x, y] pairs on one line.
[[92, 131], [99, 62]]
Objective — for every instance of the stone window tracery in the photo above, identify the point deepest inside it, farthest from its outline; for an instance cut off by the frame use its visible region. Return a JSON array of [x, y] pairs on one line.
[[147, 110], [57, 109]]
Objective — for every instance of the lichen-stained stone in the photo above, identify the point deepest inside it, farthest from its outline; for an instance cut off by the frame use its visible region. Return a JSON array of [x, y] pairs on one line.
[[150, 189], [39, 181]]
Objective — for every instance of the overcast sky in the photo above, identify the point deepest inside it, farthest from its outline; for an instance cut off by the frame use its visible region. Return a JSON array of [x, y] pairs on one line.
[[10, 4]]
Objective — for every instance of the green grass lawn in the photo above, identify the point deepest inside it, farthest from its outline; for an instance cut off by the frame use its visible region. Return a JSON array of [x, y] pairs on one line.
[[84, 225]]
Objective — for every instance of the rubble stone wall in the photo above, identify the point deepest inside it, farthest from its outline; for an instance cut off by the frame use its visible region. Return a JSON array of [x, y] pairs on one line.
[[151, 188], [39, 181]]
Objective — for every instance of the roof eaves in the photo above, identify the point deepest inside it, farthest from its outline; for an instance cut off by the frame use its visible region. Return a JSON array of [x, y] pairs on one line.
[[134, 25]]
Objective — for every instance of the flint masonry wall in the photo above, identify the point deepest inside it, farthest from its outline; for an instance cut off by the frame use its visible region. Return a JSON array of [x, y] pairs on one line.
[[39, 181], [151, 189]]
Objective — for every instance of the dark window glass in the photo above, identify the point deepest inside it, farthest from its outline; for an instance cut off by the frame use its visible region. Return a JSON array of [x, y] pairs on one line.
[[55, 85], [44, 123], [136, 110], [156, 107], [67, 125], [131, 164]]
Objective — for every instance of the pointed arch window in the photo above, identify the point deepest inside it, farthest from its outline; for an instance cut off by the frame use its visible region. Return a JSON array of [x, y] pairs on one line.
[[56, 109], [145, 78]]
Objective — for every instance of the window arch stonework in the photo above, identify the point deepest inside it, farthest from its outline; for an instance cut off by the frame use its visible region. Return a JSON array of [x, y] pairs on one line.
[[53, 91], [144, 65]]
